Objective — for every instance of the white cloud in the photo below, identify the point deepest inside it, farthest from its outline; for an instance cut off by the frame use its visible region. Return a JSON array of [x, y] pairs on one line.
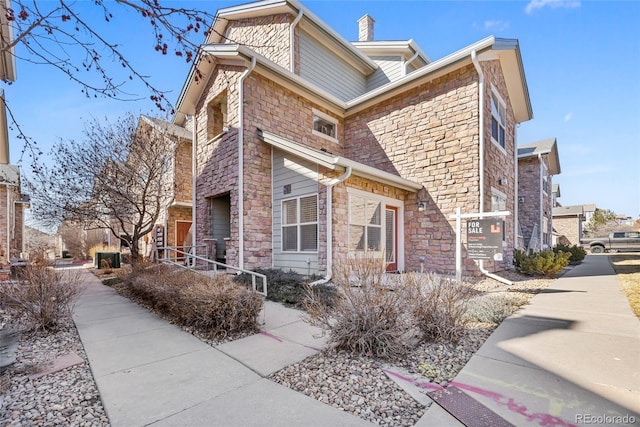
[[568, 117], [496, 25], [554, 4]]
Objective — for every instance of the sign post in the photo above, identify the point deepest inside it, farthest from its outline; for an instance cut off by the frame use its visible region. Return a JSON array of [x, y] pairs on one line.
[[485, 238]]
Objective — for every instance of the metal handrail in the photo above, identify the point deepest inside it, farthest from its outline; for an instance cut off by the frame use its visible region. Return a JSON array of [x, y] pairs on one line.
[[191, 263]]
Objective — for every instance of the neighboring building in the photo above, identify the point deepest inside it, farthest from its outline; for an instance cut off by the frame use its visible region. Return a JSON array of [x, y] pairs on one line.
[[555, 194], [538, 162], [567, 223], [309, 148], [174, 221], [12, 202]]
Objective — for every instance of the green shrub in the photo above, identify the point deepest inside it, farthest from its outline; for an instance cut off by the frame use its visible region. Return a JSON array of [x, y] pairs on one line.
[[543, 263], [577, 252], [215, 306]]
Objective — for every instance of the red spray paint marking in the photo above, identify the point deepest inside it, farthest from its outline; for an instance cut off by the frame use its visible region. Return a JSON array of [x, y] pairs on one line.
[[421, 384], [267, 334], [545, 420]]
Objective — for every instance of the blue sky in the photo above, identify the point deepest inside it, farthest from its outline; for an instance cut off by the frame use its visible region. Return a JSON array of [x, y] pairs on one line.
[[581, 59]]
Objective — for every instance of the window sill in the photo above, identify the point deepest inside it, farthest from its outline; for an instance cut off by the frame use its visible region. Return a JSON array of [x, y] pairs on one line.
[[325, 136], [500, 147]]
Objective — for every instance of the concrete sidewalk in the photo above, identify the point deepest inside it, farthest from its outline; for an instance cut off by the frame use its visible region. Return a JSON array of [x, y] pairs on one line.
[[570, 357], [150, 372]]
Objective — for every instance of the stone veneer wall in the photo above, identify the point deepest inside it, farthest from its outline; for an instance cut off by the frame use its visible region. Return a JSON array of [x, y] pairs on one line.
[[568, 226], [500, 164], [268, 36], [15, 219], [217, 159], [183, 182], [529, 189]]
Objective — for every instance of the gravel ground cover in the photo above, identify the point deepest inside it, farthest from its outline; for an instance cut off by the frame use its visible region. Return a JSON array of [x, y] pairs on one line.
[[64, 398], [354, 384]]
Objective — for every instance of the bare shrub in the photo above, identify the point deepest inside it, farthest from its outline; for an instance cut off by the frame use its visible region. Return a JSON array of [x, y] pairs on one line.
[[366, 317], [215, 306], [493, 308], [43, 295], [438, 305]]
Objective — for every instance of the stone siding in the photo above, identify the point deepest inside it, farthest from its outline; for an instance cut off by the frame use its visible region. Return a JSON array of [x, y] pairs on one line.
[[269, 36], [568, 226], [529, 197], [183, 182]]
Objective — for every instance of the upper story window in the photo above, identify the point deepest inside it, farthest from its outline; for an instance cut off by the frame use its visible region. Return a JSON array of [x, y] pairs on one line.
[[217, 117], [498, 120], [545, 179], [325, 126]]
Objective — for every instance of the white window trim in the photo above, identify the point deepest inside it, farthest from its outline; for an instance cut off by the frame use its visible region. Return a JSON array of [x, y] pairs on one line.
[[328, 118], [544, 178], [386, 201], [298, 224], [504, 106], [495, 191]]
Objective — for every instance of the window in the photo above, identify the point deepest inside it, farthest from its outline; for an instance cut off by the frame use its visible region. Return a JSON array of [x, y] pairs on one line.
[[365, 224], [498, 120], [325, 126], [217, 116], [499, 203], [300, 224], [545, 231], [545, 179]]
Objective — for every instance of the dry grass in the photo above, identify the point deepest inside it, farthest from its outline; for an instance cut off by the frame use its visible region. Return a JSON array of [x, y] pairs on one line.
[[627, 268]]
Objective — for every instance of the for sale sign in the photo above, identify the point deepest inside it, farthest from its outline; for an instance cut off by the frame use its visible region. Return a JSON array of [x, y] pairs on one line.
[[484, 239]]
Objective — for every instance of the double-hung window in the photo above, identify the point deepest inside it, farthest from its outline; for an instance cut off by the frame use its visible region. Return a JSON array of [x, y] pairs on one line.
[[365, 224], [300, 224], [498, 120], [499, 203]]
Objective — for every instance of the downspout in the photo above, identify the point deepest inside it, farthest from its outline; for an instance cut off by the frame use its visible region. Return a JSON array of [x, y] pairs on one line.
[[292, 57], [8, 224], [409, 61], [194, 165], [330, 186], [476, 64], [541, 195], [516, 210], [243, 76]]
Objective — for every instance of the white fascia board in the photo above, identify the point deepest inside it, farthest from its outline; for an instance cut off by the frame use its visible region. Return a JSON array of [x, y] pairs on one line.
[[404, 48], [361, 102], [335, 163], [326, 160], [379, 175]]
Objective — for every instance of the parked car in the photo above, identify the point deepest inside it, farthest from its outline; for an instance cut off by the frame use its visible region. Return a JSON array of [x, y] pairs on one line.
[[617, 241]]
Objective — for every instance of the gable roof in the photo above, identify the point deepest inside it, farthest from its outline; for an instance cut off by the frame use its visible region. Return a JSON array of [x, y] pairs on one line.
[[567, 211], [543, 147], [167, 127], [241, 55]]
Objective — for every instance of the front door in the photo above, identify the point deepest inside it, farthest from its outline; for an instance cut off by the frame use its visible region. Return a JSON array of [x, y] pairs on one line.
[[182, 229], [391, 237]]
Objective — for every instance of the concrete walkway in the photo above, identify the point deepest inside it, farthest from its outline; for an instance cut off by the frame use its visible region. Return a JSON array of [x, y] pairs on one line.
[[570, 357], [150, 372]]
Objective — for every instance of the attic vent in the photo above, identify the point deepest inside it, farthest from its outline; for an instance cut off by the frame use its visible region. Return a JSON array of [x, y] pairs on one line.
[[365, 28]]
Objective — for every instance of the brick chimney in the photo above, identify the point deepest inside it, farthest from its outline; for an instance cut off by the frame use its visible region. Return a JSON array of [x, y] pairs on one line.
[[365, 28]]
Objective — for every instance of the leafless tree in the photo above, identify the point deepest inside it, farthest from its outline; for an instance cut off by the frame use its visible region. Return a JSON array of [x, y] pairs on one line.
[[58, 34], [115, 179]]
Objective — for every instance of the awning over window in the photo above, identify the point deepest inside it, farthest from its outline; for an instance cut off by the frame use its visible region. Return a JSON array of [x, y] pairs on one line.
[[337, 163]]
